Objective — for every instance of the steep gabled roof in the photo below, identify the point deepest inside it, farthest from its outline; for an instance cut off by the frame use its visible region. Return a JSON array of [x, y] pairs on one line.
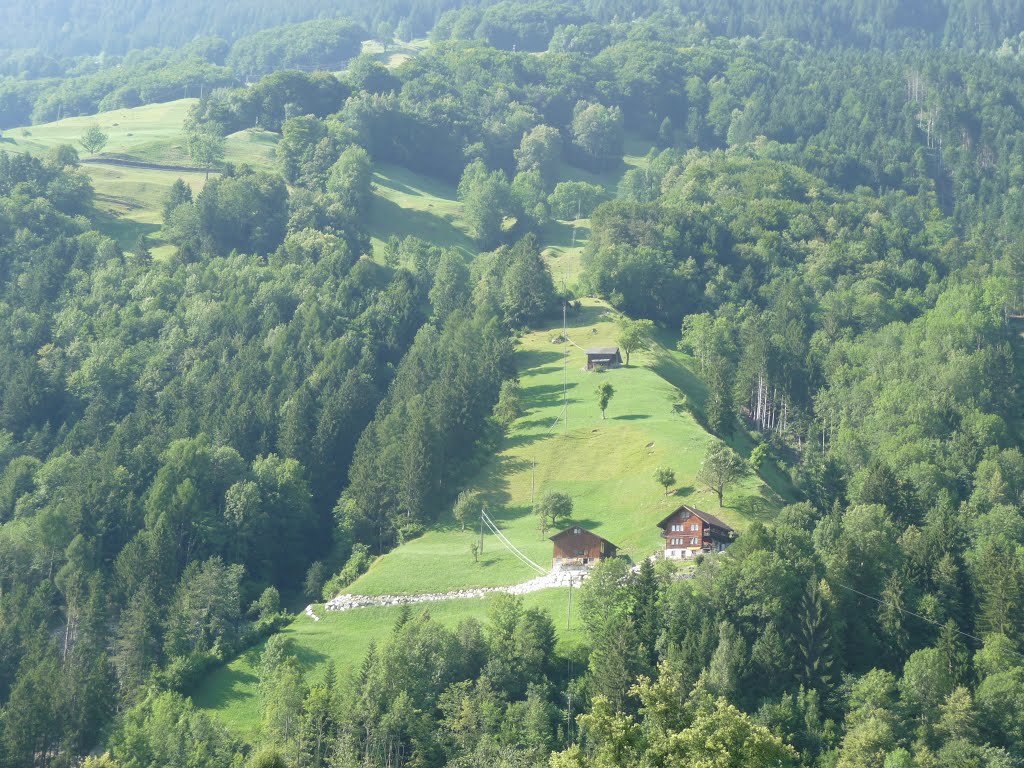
[[705, 516], [567, 530]]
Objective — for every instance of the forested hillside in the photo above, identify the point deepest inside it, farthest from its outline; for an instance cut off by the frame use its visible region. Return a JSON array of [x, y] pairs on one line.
[[194, 445]]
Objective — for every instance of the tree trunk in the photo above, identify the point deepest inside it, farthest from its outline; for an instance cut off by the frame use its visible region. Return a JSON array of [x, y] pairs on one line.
[[721, 493]]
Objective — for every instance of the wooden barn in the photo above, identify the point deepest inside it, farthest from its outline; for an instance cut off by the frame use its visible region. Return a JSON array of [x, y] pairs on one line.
[[578, 547], [603, 357], [690, 531]]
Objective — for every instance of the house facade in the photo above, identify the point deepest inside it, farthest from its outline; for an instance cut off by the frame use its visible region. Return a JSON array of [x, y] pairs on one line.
[[576, 547], [689, 532]]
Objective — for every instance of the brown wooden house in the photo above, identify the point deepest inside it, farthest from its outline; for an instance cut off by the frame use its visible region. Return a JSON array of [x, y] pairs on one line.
[[689, 531], [603, 357], [576, 547]]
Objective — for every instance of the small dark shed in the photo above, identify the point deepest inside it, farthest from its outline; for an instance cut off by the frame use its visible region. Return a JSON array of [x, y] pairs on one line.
[[576, 546], [603, 357]]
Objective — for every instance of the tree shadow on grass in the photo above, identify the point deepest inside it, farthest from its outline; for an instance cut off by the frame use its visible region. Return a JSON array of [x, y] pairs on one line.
[[757, 506], [631, 417], [125, 231], [683, 491], [532, 360], [388, 175], [307, 657], [388, 218], [226, 685]]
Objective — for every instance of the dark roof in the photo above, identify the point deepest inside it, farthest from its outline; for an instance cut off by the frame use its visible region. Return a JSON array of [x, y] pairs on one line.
[[705, 516], [602, 538], [603, 351]]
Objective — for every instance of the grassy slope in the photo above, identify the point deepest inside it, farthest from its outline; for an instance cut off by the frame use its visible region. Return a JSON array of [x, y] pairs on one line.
[[230, 694], [129, 199], [606, 465]]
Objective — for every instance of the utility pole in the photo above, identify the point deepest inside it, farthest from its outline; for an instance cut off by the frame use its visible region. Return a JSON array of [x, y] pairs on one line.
[[482, 509], [568, 615], [533, 480], [565, 368]]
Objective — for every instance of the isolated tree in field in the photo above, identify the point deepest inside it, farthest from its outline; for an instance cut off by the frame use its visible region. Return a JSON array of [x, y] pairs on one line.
[[204, 143], [465, 507], [386, 34], [552, 509], [722, 466], [94, 139], [665, 477], [634, 335], [605, 392]]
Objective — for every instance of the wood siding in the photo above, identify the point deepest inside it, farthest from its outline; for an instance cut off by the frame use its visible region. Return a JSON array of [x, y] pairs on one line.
[[686, 534], [580, 544]]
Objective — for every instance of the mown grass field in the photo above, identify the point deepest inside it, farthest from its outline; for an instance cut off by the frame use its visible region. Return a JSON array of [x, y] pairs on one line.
[[129, 198], [230, 692], [606, 465]]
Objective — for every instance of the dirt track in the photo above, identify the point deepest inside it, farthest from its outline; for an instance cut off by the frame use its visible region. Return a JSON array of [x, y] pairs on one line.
[[126, 163]]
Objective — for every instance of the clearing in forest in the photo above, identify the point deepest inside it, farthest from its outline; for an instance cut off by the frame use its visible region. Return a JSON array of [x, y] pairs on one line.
[[605, 465]]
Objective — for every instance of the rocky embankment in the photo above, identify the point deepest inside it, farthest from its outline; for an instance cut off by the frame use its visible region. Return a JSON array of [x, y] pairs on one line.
[[548, 581]]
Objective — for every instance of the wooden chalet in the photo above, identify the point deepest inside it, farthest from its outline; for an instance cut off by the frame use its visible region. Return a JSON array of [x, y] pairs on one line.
[[689, 531], [576, 547], [603, 357]]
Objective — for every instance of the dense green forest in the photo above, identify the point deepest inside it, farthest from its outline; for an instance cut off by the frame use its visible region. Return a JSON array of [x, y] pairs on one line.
[[829, 223]]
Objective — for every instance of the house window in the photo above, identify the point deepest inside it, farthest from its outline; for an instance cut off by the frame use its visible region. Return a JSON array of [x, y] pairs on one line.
[[677, 527], [694, 541], [694, 527], [576, 531]]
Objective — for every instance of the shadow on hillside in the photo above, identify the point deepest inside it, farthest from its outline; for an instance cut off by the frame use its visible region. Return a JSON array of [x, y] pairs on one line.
[[542, 369], [226, 685], [757, 506], [544, 395], [125, 231], [518, 441], [535, 361], [389, 219], [584, 522], [391, 176], [631, 417], [683, 491], [558, 234], [307, 657]]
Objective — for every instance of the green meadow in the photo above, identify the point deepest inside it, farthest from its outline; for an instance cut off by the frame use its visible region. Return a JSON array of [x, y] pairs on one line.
[[605, 464], [143, 157]]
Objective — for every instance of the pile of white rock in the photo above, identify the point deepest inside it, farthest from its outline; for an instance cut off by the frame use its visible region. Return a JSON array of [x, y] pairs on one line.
[[563, 578]]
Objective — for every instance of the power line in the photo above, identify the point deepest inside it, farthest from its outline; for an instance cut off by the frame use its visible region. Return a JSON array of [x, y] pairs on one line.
[[515, 550], [511, 547], [904, 610]]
